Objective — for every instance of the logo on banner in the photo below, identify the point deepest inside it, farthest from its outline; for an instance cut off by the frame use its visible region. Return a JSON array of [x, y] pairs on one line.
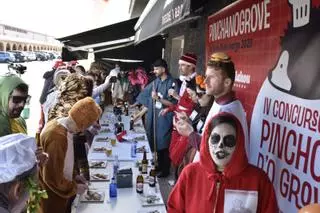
[[285, 123], [242, 80]]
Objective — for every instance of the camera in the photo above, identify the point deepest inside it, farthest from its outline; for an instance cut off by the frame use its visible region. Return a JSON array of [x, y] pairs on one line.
[[19, 68], [113, 79]]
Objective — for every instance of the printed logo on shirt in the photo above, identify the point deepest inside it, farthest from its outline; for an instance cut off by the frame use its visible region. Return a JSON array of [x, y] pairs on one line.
[[240, 201]]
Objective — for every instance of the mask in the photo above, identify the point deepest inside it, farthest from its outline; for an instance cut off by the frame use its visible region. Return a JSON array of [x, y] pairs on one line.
[[222, 144]]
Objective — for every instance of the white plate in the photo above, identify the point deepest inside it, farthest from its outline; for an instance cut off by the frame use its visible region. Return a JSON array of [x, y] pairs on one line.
[[149, 211], [99, 149], [93, 178], [157, 202], [100, 139], [105, 130], [84, 199], [103, 165], [142, 151]]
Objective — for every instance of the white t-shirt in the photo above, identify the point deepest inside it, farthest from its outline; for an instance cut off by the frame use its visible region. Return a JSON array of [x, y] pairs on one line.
[[235, 108]]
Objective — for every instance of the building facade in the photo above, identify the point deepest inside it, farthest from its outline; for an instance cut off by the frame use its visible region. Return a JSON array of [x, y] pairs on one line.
[[13, 38]]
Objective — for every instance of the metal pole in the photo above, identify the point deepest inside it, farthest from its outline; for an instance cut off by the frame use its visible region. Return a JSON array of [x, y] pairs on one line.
[[155, 156]]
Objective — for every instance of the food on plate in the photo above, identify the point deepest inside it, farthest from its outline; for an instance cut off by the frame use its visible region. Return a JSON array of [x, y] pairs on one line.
[[137, 125], [94, 196], [152, 199], [140, 138], [97, 164], [102, 139], [141, 149], [99, 149], [105, 130], [99, 176]]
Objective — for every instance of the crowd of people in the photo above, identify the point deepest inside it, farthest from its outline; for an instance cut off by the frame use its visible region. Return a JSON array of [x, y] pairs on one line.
[[195, 125]]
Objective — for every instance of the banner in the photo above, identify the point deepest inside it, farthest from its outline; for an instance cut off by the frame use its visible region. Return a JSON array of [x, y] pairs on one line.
[[275, 45], [164, 13]]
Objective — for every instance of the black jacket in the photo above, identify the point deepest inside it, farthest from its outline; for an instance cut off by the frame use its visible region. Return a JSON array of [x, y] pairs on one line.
[[48, 85]]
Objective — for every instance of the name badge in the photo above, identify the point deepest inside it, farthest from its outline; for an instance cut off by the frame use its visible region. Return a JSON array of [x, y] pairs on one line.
[[199, 125], [193, 115], [158, 105], [240, 201]]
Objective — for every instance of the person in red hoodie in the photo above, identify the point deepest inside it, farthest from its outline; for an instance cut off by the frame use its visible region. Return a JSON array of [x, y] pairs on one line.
[[223, 180]]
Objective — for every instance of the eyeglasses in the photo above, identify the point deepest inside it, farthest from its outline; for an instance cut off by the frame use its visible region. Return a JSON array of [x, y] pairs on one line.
[[19, 99], [228, 140]]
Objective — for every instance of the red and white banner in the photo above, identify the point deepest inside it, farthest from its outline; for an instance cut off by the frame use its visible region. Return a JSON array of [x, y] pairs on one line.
[[275, 45]]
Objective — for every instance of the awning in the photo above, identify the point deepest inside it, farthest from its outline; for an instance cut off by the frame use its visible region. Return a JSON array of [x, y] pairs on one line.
[[120, 32], [78, 45], [159, 15], [144, 53]]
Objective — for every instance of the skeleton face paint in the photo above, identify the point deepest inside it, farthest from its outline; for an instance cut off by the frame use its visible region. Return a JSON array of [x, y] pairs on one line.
[[222, 144]]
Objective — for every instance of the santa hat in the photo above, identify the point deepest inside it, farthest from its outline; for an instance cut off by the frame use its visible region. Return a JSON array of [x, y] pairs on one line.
[[58, 64], [85, 112], [188, 59], [72, 63]]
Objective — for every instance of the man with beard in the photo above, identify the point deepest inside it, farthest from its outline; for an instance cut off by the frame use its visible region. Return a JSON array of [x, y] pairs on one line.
[[13, 97], [220, 76], [155, 97]]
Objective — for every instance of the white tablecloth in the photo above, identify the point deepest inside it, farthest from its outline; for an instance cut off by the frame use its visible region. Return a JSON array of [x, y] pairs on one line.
[[128, 200]]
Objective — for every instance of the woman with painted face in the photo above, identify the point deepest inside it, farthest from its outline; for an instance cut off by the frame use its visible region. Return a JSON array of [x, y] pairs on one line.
[[223, 180]]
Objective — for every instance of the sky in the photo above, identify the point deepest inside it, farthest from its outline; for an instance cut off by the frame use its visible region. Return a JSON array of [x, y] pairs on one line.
[[61, 18]]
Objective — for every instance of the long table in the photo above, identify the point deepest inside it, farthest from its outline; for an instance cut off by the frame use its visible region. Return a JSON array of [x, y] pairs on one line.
[[128, 200]]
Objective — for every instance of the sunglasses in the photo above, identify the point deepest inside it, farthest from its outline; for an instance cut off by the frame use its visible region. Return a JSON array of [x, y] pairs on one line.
[[20, 99], [227, 140]]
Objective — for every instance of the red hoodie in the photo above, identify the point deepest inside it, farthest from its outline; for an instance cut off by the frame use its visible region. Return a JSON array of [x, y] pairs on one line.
[[201, 188]]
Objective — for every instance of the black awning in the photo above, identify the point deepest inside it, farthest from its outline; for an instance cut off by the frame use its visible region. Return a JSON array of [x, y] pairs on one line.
[[163, 14], [121, 30], [147, 51]]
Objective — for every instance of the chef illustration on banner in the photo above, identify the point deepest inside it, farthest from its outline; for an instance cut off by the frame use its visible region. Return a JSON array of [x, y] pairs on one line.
[[285, 120]]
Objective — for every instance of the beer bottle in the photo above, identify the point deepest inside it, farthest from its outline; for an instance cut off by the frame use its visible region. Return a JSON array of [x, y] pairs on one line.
[[139, 184], [144, 163], [131, 123], [126, 109], [152, 177]]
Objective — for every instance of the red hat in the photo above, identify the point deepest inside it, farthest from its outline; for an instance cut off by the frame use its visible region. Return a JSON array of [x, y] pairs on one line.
[[73, 63], [58, 64], [189, 59]]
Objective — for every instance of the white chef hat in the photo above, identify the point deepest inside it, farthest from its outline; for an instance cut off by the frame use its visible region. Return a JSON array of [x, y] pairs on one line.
[[17, 156]]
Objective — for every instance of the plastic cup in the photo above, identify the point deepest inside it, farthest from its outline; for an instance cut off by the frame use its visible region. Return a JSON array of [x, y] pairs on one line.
[[109, 151], [113, 141]]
